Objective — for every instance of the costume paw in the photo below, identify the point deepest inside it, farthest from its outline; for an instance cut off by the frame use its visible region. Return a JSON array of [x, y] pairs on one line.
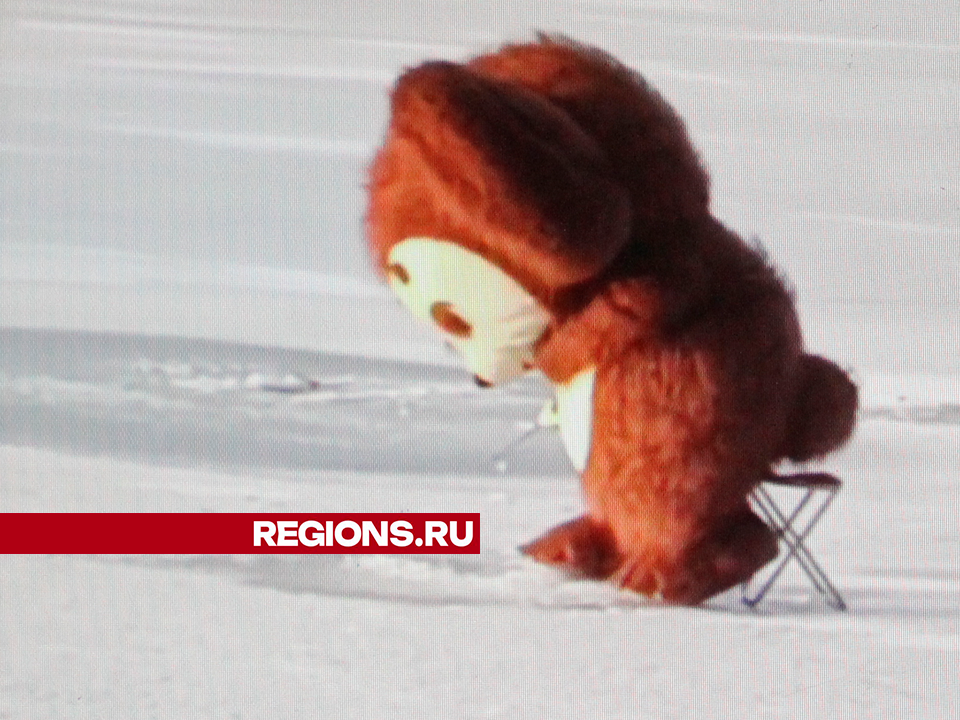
[[582, 547]]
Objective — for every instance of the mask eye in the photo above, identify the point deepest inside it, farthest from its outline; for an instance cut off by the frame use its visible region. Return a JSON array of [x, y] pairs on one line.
[[398, 272], [447, 319]]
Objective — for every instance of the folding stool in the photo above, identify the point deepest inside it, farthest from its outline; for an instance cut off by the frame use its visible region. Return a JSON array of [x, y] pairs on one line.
[[817, 492]]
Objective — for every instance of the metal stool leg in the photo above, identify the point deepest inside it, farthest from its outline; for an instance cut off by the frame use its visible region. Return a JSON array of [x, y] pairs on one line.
[[795, 541]]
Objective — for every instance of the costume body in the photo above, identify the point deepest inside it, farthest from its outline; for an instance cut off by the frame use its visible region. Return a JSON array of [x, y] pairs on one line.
[[553, 166]]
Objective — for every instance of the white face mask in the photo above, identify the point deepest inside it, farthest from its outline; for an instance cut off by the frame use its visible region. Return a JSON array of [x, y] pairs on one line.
[[485, 314]]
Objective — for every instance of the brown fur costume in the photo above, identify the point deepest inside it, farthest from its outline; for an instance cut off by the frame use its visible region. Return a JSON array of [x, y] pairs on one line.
[[570, 173]]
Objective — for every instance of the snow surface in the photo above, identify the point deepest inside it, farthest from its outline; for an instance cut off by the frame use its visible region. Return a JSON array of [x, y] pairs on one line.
[[188, 322]]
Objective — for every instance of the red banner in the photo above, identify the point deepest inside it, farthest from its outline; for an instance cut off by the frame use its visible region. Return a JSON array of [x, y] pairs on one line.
[[215, 533]]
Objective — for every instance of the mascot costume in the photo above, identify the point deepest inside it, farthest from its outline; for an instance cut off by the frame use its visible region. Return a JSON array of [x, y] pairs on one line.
[[544, 208]]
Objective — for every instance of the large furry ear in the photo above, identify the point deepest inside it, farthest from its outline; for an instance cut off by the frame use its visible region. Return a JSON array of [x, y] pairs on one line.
[[499, 170], [645, 139]]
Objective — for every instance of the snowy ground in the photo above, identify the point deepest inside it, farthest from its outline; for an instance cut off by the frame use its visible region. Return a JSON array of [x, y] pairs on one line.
[[180, 254]]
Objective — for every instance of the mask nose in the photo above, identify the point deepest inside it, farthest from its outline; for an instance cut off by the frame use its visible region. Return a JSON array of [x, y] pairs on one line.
[[481, 382]]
